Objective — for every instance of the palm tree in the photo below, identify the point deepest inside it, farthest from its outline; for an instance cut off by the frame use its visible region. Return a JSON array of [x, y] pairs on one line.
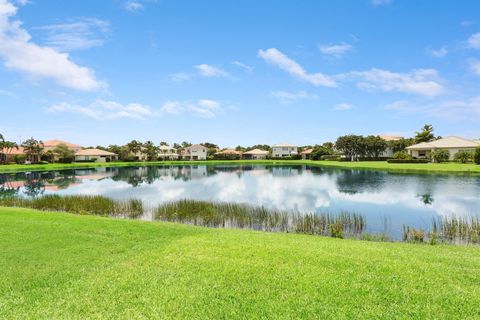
[[5, 148], [33, 149]]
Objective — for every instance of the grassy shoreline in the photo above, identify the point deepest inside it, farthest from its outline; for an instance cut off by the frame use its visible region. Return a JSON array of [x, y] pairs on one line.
[[57, 265], [447, 168]]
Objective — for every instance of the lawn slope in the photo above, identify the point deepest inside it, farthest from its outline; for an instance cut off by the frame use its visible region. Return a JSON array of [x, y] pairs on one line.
[[57, 265]]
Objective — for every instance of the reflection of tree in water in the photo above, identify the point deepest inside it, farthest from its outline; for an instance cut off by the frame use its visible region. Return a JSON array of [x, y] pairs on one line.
[[7, 190], [353, 181], [426, 198], [34, 185]]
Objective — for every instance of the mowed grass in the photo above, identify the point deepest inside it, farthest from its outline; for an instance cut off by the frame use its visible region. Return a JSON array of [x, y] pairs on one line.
[[450, 167], [56, 265]]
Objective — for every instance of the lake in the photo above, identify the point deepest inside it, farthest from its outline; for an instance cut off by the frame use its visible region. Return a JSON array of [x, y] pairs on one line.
[[387, 200]]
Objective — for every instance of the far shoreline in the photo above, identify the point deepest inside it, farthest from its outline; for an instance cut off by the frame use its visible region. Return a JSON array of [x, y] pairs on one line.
[[423, 168]]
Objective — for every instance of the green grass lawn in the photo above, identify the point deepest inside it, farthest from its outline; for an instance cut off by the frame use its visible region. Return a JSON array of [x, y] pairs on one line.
[[56, 265], [369, 165]]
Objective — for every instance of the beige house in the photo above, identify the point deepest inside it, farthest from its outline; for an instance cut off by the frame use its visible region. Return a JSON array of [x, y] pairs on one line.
[[95, 154], [52, 144], [388, 153], [452, 144], [307, 153], [9, 154], [255, 154], [194, 152], [282, 150], [167, 153]]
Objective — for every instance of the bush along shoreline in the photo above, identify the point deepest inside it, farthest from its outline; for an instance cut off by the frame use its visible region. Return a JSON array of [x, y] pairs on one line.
[[444, 230]]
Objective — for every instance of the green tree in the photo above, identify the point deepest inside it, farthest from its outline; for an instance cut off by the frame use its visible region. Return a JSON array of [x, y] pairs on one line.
[[5, 148], [350, 146], [401, 144], [64, 154], [33, 149], [150, 150], [426, 135], [163, 143], [476, 157], [375, 146], [440, 155]]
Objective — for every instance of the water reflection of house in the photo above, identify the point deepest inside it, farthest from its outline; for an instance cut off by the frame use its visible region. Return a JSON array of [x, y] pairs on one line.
[[285, 171]]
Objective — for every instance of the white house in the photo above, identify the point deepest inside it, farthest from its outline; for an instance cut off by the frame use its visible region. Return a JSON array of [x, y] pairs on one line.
[[195, 152], [95, 154], [167, 153], [452, 144], [282, 150]]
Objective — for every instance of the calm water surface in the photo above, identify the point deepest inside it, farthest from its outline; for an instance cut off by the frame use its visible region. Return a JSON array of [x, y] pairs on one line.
[[387, 200]]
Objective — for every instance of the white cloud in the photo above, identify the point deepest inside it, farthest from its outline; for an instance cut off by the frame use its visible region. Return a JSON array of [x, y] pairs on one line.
[[82, 33], [475, 66], [277, 58], [343, 106], [133, 6], [474, 41], [459, 109], [289, 97], [425, 82], [243, 66], [438, 53], [211, 71], [203, 108], [336, 50], [104, 110], [19, 53], [381, 2], [8, 94]]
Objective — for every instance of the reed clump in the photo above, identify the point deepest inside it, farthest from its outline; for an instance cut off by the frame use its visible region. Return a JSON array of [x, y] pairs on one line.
[[79, 204], [244, 216]]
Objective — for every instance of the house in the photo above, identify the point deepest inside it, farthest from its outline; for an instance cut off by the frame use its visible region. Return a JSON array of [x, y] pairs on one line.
[[50, 145], [167, 153], [452, 144], [228, 154], [388, 153], [307, 153], [95, 155], [194, 152], [8, 155], [282, 150], [255, 154]]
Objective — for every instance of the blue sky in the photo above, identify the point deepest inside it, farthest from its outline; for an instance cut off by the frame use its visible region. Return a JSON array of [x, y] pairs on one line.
[[237, 72]]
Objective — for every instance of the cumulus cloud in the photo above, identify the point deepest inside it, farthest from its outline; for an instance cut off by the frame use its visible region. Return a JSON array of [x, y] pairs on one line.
[[335, 50], [203, 108], [79, 34], [104, 110], [425, 82], [211, 71], [343, 106], [474, 41], [289, 97], [280, 60], [475, 66], [133, 6], [21, 54], [438, 53]]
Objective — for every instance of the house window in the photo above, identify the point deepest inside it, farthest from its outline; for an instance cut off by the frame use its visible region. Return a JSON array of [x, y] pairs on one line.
[[422, 153]]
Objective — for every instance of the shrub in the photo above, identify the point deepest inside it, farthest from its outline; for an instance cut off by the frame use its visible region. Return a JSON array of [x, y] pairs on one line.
[[20, 159], [403, 155], [476, 157], [330, 157], [440, 155], [463, 156]]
